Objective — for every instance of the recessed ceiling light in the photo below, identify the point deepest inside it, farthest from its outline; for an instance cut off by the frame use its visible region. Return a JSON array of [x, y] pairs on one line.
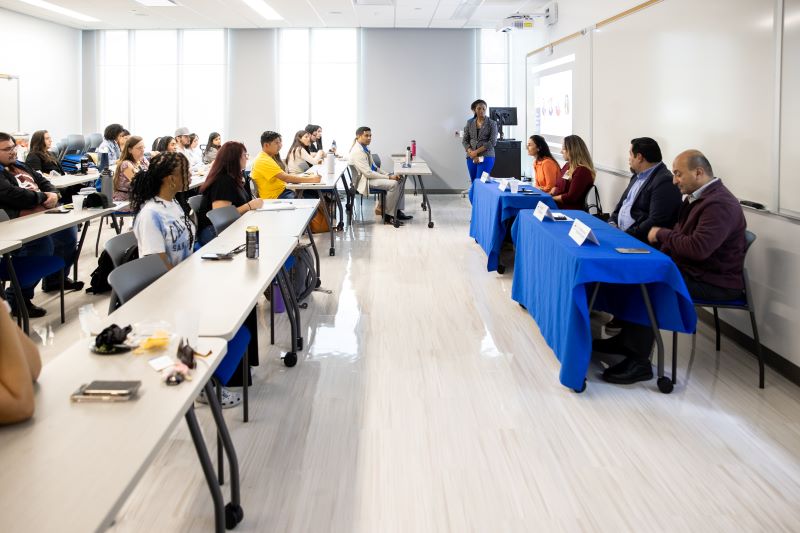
[[263, 9], [158, 3], [335, 12], [61, 10]]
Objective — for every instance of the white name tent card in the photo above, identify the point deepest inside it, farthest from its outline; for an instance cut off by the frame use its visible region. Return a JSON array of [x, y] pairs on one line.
[[542, 211], [581, 233], [503, 186], [485, 177]]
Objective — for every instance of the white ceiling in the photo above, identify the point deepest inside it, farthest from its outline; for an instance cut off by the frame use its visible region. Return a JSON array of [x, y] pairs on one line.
[[128, 14]]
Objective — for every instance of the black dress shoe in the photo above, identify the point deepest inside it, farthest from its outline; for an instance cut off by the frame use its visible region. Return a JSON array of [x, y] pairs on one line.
[[403, 216], [34, 311], [69, 285], [630, 370], [389, 219]]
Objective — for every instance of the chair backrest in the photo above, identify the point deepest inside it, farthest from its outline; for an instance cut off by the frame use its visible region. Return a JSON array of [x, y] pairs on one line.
[[354, 177], [119, 245], [130, 279], [93, 140], [592, 201], [749, 239], [222, 217], [75, 144], [377, 160], [4, 216], [194, 202], [60, 148]]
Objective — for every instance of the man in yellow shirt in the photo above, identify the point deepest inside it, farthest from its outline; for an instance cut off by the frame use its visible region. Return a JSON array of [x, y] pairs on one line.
[[269, 175]]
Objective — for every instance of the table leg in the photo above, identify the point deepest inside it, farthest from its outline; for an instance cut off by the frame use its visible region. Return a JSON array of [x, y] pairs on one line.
[[290, 358], [316, 254], [208, 470], [252, 324], [115, 224], [80, 247], [426, 202], [594, 296], [227, 442], [291, 304], [664, 383], [415, 184], [22, 309], [329, 212]]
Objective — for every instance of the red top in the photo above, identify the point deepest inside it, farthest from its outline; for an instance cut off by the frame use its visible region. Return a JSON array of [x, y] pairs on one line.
[[573, 191]]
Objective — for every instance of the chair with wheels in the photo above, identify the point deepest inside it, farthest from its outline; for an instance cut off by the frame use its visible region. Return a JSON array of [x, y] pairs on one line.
[[744, 303], [381, 194]]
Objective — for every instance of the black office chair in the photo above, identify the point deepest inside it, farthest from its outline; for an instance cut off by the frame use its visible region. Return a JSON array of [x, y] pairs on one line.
[[380, 193], [75, 145], [744, 303], [592, 204]]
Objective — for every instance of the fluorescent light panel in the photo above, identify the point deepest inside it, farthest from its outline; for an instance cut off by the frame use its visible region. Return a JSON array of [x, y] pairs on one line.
[[158, 3], [61, 10], [263, 9]]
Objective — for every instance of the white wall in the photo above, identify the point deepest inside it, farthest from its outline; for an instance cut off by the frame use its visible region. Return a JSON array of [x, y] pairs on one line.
[[47, 58], [251, 94], [773, 262], [418, 84]]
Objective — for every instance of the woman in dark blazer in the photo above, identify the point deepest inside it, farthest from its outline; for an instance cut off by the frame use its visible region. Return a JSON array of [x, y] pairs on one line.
[[577, 176], [40, 158], [480, 136]]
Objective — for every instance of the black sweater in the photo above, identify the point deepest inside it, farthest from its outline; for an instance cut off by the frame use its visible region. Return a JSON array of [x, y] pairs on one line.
[[14, 198], [45, 166]]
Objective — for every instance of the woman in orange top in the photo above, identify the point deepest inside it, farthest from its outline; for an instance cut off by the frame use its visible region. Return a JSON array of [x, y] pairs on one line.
[[545, 168]]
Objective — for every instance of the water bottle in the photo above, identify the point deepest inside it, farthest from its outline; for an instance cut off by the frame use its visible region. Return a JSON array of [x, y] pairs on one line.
[[107, 184], [413, 148], [333, 146], [408, 156]]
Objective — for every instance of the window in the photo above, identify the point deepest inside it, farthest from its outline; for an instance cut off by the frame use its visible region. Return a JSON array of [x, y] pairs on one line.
[[153, 81], [493, 67], [320, 67]]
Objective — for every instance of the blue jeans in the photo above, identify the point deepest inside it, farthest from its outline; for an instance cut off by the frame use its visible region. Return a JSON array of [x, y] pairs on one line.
[[287, 194], [62, 243], [477, 169]]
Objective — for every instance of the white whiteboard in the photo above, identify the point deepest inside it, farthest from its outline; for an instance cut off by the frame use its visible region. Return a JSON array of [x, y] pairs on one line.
[[9, 111], [790, 111], [691, 75]]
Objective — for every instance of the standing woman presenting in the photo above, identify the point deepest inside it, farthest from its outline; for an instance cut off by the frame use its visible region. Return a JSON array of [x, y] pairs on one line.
[[480, 136]]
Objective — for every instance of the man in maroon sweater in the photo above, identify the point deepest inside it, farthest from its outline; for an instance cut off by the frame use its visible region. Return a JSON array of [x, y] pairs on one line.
[[707, 244]]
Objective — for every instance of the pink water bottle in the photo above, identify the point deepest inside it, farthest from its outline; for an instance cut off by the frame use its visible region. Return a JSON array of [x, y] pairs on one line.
[[413, 149]]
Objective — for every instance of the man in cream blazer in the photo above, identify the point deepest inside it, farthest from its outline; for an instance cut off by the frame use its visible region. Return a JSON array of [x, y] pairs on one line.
[[369, 175]]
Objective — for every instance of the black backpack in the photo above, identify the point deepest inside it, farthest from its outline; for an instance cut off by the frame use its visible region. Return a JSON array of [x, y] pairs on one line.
[[99, 277], [303, 275]]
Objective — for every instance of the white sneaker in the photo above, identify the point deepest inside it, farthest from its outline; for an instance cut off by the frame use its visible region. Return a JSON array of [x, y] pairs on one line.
[[229, 398]]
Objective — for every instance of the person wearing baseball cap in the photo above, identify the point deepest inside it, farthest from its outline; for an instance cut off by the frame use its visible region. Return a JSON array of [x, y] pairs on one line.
[[182, 136]]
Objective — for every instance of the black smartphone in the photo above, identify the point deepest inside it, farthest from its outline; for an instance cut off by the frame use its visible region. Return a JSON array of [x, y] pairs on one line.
[[217, 257], [59, 211]]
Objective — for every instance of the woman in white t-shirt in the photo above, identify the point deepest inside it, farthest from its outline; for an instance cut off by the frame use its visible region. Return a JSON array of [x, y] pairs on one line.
[[298, 160], [161, 225]]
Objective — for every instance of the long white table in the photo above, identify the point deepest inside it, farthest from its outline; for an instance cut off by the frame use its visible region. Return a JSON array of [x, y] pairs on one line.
[[73, 465], [418, 169], [329, 182], [68, 180], [31, 227]]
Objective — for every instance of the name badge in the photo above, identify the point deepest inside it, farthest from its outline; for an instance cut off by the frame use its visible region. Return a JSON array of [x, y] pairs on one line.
[[485, 177], [542, 211], [503, 186], [581, 233]]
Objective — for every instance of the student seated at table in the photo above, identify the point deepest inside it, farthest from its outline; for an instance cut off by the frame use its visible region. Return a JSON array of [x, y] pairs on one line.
[[315, 146], [708, 246], [161, 226], [167, 144], [298, 159], [39, 157], [369, 175], [212, 147], [545, 168], [193, 153], [130, 162], [113, 141], [225, 186], [19, 369], [651, 198], [577, 176], [23, 191], [269, 173]]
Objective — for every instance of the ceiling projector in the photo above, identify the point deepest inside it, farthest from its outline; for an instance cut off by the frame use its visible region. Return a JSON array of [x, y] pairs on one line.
[[523, 21]]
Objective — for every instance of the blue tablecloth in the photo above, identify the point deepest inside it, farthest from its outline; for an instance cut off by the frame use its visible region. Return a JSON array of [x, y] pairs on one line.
[[491, 210], [554, 279]]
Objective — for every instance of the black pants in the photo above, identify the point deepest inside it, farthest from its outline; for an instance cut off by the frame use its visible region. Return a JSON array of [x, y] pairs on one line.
[[639, 339]]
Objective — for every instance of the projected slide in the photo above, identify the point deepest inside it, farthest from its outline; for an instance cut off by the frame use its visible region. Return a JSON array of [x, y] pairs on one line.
[[553, 104]]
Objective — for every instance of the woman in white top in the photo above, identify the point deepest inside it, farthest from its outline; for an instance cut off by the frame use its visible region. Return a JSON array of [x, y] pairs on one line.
[[161, 225], [298, 160], [193, 153]]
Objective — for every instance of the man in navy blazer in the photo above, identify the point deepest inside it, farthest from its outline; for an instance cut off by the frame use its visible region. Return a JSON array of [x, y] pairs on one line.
[[651, 199]]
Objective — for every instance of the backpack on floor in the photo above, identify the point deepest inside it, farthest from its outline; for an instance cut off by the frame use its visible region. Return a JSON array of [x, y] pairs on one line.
[[303, 275], [99, 277]]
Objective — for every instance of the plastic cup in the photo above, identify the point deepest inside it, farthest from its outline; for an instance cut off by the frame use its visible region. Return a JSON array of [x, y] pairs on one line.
[[77, 201]]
